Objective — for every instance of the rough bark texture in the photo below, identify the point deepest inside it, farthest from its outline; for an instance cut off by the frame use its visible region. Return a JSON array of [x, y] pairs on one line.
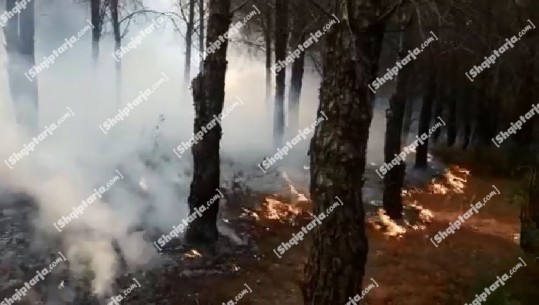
[[208, 95], [267, 41], [201, 30], [189, 42], [529, 216], [19, 34], [117, 45], [421, 157], [336, 263], [97, 22], [407, 121], [439, 98], [394, 179], [281, 38], [298, 67]]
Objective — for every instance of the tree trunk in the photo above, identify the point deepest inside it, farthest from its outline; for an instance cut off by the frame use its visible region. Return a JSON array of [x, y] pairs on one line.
[[208, 96], [407, 121], [188, 43], [298, 67], [201, 30], [95, 8], [439, 99], [117, 46], [267, 40], [529, 216], [394, 178], [468, 108], [336, 263], [451, 119], [421, 157], [281, 38], [19, 32]]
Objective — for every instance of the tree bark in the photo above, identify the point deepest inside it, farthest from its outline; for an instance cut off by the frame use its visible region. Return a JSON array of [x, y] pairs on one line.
[[208, 95], [336, 263], [117, 46], [394, 179], [267, 40], [188, 43], [19, 34], [407, 121], [201, 13], [421, 157], [97, 22], [281, 38], [529, 216], [298, 67]]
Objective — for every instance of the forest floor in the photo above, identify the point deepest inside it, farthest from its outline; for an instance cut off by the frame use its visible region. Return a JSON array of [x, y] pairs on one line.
[[407, 267]]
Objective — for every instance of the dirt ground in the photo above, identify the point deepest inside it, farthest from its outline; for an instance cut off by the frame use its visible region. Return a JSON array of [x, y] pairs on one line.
[[408, 268]]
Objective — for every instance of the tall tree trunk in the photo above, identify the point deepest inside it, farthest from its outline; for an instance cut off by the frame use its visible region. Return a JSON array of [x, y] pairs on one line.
[[529, 216], [407, 121], [201, 13], [451, 118], [468, 107], [11, 34], [298, 67], [97, 22], [439, 98], [19, 32], [421, 157], [208, 96], [27, 51], [281, 38], [267, 39], [117, 46], [336, 263], [188, 43], [394, 179]]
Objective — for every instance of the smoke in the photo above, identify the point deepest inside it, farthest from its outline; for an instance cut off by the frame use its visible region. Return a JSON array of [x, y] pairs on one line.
[[66, 167]]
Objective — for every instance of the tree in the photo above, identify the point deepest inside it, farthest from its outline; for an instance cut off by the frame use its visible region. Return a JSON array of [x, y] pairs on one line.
[[267, 41], [208, 95], [394, 179], [421, 157], [201, 14], [189, 42], [281, 38], [97, 22], [296, 79], [19, 34], [117, 45], [336, 263]]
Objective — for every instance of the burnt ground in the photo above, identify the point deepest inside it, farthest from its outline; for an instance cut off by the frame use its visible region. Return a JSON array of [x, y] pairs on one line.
[[407, 266]]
